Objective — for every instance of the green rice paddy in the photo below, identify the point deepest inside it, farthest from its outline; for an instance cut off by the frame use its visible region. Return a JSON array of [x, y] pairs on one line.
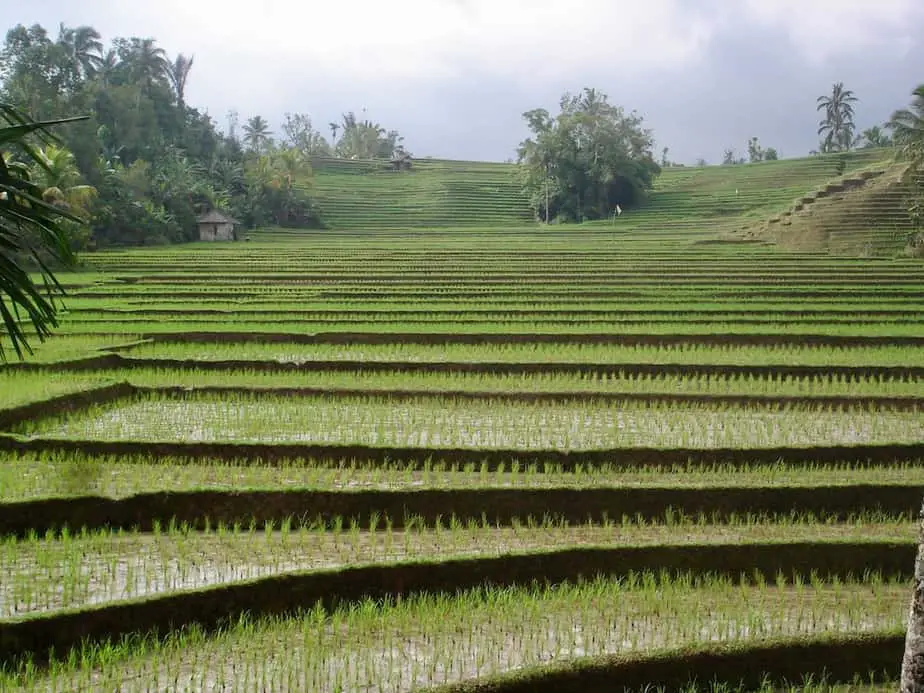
[[395, 457]]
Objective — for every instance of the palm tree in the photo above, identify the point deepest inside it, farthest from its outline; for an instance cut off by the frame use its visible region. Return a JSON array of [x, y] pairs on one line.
[[149, 62], [29, 226], [290, 164], [907, 127], [334, 127], [178, 72], [875, 137], [83, 47], [108, 64], [837, 126], [257, 134], [57, 172]]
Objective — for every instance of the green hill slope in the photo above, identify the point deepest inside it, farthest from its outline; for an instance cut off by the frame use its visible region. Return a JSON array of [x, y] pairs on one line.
[[369, 195], [697, 201]]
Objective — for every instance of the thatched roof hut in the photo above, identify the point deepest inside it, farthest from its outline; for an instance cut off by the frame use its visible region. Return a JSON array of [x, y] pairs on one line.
[[217, 226]]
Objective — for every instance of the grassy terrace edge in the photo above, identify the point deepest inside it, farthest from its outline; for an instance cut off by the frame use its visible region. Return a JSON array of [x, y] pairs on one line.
[[500, 507], [218, 606], [369, 338], [114, 361], [784, 661], [109, 394], [491, 459]]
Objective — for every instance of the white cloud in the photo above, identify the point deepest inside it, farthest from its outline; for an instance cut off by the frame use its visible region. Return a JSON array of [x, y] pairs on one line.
[[826, 29], [370, 40], [418, 63]]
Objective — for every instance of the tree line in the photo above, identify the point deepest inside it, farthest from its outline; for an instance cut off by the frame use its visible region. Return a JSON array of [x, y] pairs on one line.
[[145, 163], [837, 130]]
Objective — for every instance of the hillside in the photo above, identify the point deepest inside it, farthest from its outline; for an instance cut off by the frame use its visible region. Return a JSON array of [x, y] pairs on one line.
[[368, 195], [860, 213], [732, 202]]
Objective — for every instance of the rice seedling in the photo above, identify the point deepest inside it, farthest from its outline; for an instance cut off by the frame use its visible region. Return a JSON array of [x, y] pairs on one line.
[[707, 313], [46, 573], [438, 422], [435, 639], [691, 353], [62, 474]]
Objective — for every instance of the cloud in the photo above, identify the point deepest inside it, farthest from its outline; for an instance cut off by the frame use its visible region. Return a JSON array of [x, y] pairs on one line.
[[422, 40], [825, 29], [455, 75]]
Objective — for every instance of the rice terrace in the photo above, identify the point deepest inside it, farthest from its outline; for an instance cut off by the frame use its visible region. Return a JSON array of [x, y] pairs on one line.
[[434, 440]]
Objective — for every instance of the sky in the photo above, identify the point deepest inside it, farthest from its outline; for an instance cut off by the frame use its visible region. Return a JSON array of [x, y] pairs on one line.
[[455, 76]]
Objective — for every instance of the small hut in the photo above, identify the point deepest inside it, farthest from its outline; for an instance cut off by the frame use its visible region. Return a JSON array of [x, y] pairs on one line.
[[217, 226]]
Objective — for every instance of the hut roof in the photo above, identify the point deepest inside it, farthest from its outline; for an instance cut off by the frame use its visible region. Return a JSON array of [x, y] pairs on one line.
[[216, 217]]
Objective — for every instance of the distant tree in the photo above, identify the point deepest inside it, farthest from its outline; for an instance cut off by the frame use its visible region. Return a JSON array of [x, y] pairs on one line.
[[701, 162], [83, 48], [30, 229], [365, 139], [665, 162], [334, 127], [108, 65], [401, 160], [178, 72], [730, 159], [875, 137], [300, 134], [755, 153], [770, 154], [837, 127], [257, 135], [143, 60], [587, 159], [907, 125], [233, 121]]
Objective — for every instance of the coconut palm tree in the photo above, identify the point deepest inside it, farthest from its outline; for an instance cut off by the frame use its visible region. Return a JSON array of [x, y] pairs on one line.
[[907, 127], [837, 126], [334, 127], [178, 72], [257, 135], [57, 172], [83, 47], [875, 137], [108, 64], [29, 227], [147, 61]]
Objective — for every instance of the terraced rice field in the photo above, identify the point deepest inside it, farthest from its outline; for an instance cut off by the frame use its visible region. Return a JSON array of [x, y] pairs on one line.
[[493, 460]]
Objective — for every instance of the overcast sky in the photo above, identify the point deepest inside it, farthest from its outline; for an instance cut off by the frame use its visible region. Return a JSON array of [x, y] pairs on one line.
[[454, 76]]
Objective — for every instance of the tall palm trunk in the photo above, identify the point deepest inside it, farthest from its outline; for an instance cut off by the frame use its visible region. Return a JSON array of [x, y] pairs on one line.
[[913, 662]]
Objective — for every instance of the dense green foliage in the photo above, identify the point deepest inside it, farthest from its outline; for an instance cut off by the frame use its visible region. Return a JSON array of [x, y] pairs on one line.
[[34, 223], [145, 163], [585, 161], [907, 125]]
